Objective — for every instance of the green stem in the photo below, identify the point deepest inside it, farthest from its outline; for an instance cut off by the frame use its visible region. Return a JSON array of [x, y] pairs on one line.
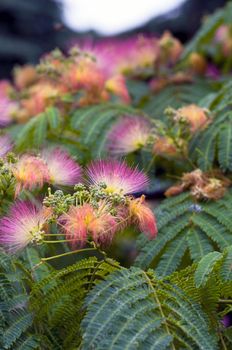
[[54, 234], [225, 301], [159, 306], [68, 253], [223, 342], [152, 161], [60, 241]]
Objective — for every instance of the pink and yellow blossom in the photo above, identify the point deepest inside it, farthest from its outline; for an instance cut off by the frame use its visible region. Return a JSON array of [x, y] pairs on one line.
[[142, 216], [117, 86], [8, 107], [30, 172], [62, 169], [6, 145], [117, 176], [83, 221], [128, 135], [24, 224]]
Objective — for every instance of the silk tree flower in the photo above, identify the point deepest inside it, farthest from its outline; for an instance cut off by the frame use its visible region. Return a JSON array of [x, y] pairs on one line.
[[62, 169], [83, 221], [142, 216], [24, 224], [122, 56], [7, 106], [30, 172], [117, 86], [195, 116], [117, 176], [25, 76], [170, 49], [41, 95], [104, 226], [6, 145], [84, 74], [128, 135]]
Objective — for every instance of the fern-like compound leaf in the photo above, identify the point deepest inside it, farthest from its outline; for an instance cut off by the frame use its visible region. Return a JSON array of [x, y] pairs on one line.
[[132, 309]]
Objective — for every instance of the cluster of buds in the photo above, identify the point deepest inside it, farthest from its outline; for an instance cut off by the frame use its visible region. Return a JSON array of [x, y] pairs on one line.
[[95, 212], [201, 185], [183, 124], [7, 179]]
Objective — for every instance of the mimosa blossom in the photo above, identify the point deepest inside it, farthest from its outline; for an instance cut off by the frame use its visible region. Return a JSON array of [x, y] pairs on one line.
[[62, 169], [142, 216], [24, 224], [30, 172], [117, 86], [195, 117], [5, 145], [7, 106], [128, 135], [83, 221], [117, 176]]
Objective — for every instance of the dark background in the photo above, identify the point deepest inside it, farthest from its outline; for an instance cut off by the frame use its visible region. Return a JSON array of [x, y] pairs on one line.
[[29, 28]]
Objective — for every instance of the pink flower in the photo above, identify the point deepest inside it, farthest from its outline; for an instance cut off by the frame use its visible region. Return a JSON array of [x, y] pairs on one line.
[[117, 176], [143, 217], [104, 226], [62, 169], [24, 224], [129, 135], [30, 172], [5, 145], [75, 224], [84, 220], [7, 106], [117, 85]]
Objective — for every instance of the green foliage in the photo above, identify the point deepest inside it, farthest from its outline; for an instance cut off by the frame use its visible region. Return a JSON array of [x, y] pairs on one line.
[[186, 227], [205, 267], [206, 32], [15, 318], [213, 146], [57, 300], [176, 96], [36, 131], [132, 309], [93, 124], [215, 261]]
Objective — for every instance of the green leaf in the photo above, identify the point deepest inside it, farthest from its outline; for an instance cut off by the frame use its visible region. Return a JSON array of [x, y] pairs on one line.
[[205, 267], [132, 309]]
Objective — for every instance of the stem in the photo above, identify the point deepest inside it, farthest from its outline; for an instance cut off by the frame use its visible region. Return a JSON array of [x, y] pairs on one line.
[[60, 241], [54, 234], [152, 161], [106, 259], [159, 306], [223, 342], [68, 253], [225, 301]]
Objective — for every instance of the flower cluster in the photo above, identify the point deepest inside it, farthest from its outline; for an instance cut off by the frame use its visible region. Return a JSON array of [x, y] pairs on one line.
[[96, 210], [53, 166], [132, 133], [133, 56]]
